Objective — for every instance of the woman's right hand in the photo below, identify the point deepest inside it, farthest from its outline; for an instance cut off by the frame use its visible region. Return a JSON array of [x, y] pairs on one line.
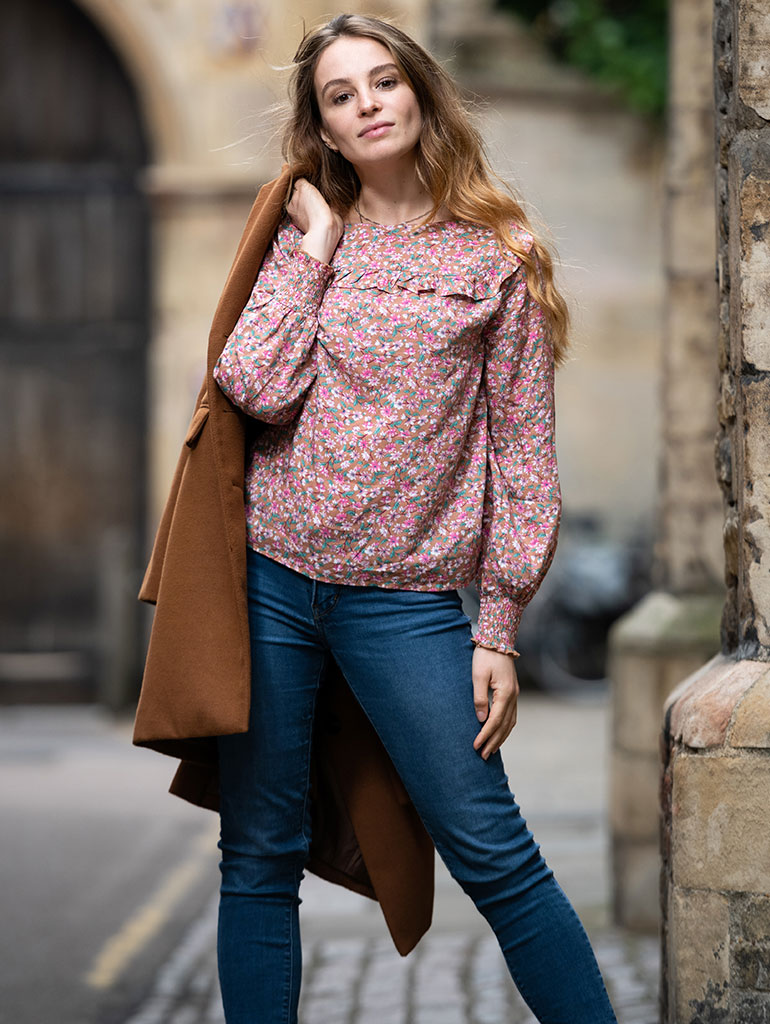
[[321, 226]]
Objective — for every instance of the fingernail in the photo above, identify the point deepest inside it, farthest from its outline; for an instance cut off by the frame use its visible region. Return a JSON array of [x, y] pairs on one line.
[[480, 715]]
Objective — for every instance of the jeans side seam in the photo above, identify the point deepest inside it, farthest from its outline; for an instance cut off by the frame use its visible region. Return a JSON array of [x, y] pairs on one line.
[[307, 839], [306, 800], [290, 979]]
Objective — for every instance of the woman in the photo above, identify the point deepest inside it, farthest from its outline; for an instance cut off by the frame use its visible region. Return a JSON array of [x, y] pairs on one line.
[[398, 349]]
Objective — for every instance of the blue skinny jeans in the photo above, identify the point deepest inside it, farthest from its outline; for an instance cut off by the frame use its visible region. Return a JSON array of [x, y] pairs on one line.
[[407, 657]]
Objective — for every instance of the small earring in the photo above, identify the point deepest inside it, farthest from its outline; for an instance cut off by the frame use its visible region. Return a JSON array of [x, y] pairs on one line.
[[330, 146]]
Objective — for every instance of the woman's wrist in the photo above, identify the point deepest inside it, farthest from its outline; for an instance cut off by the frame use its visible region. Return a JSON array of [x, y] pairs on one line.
[[488, 647], [321, 242]]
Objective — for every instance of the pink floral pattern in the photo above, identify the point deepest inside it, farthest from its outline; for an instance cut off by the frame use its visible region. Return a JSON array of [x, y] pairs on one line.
[[406, 394]]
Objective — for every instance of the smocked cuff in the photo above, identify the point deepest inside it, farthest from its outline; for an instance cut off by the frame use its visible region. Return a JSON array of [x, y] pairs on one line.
[[499, 619], [309, 278]]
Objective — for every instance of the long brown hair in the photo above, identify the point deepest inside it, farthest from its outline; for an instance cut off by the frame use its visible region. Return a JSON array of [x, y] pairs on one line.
[[451, 163]]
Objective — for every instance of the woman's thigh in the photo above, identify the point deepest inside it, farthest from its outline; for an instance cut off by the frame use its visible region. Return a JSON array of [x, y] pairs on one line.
[[407, 656], [264, 773]]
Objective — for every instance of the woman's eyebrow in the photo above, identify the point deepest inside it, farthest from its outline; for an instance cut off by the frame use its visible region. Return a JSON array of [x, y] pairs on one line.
[[346, 81]]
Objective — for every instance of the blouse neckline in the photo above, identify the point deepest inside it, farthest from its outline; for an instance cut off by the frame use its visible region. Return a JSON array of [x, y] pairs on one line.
[[402, 225]]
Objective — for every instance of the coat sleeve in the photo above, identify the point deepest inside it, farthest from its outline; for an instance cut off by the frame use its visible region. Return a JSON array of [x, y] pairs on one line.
[[522, 500], [269, 361]]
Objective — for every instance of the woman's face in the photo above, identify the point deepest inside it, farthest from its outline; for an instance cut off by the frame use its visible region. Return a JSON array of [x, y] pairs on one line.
[[368, 111]]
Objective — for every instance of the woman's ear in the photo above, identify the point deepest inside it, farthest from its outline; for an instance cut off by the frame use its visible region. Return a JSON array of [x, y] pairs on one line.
[[328, 143]]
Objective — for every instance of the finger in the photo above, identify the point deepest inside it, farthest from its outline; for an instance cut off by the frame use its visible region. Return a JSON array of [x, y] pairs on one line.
[[499, 737], [501, 720], [501, 734], [496, 740], [491, 725], [481, 694]]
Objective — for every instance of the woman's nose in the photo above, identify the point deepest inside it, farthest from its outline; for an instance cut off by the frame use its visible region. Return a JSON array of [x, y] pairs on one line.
[[368, 103]]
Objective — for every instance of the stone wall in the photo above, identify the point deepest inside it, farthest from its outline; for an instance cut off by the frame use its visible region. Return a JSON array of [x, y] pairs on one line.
[[743, 204], [689, 548], [716, 846], [716, 739]]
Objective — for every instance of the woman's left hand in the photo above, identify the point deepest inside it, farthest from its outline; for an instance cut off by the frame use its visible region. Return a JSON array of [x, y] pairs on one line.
[[495, 671]]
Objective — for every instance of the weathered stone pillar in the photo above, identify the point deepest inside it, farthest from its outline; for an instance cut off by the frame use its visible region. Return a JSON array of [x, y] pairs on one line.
[[197, 219], [675, 628], [716, 739]]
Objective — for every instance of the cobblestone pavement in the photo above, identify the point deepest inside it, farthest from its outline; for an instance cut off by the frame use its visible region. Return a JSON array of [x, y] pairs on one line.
[[450, 978], [352, 974]]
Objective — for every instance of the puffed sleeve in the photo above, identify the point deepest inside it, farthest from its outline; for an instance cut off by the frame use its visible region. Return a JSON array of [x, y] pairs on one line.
[[269, 361], [522, 500]]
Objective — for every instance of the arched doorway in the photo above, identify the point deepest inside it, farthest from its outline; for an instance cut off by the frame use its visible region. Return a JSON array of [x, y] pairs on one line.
[[73, 340]]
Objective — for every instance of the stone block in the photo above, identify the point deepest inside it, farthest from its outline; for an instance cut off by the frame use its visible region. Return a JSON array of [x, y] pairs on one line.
[[753, 53], [755, 613], [690, 50], [699, 961], [756, 413], [750, 917], [750, 957], [691, 399], [690, 231], [751, 720], [687, 462], [675, 669], [720, 827], [694, 553], [637, 707], [690, 150], [702, 706], [750, 966], [691, 309], [749, 1008], [691, 546], [634, 786], [755, 300], [749, 245], [636, 873], [755, 618], [667, 624], [750, 951], [706, 670]]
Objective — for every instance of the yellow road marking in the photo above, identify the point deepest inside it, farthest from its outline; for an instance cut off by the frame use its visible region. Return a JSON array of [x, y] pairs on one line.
[[136, 932]]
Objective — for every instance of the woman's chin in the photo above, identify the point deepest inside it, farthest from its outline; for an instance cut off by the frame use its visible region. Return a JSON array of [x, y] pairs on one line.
[[376, 155]]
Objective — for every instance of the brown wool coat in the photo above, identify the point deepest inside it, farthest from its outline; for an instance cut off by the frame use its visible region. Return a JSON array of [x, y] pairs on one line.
[[366, 835]]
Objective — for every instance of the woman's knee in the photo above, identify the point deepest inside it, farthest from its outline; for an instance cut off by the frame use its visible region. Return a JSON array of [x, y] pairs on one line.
[[490, 853], [261, 872]]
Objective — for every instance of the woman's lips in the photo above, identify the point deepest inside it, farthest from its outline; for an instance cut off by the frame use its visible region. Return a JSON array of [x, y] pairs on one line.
[[375, 130]]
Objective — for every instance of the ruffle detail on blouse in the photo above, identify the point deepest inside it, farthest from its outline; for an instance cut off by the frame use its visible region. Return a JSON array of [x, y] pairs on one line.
[[483, 285]]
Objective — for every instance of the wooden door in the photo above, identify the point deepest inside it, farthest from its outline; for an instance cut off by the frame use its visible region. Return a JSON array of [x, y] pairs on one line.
[[73, 339]]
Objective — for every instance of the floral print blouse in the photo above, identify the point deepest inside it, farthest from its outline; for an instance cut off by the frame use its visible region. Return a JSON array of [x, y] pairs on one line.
[[406, 391]]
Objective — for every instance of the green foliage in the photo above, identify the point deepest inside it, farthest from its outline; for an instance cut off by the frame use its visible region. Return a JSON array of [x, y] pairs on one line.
[[621, 43]]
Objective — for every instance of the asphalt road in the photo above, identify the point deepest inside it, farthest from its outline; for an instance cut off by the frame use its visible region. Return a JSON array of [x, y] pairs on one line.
[[101, 870]]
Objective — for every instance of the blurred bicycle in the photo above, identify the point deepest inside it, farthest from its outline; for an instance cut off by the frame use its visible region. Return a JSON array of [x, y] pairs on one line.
[[592, 582]]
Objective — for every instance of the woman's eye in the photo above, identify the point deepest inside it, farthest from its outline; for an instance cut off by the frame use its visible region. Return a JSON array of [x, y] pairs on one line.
[[384, 83]]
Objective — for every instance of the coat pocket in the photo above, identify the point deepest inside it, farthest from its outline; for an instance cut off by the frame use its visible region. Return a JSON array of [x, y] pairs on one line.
[[200, 416]]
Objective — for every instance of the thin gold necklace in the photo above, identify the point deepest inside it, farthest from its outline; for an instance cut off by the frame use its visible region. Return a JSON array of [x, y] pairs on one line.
[[380, 224]]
